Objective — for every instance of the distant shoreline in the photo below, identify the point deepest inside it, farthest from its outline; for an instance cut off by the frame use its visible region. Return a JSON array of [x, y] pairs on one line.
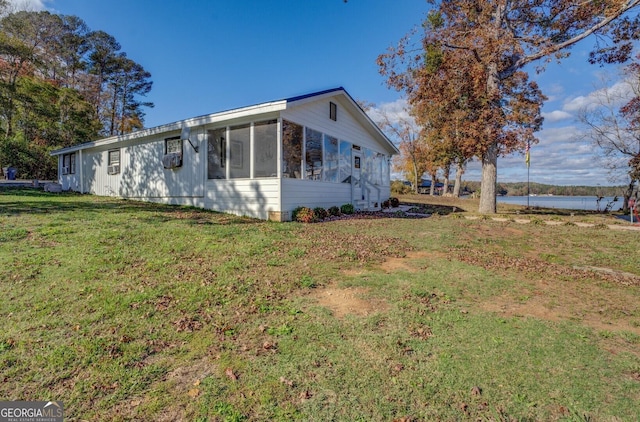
[[581, 202]]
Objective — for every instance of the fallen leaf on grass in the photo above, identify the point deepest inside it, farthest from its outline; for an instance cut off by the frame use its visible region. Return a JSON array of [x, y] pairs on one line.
[[230, 374], [269, 346], [422, 333], [286, 381], [193, 393], [187, 324]]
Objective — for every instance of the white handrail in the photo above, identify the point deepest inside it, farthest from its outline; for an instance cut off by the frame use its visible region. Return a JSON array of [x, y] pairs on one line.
[[366, 182]]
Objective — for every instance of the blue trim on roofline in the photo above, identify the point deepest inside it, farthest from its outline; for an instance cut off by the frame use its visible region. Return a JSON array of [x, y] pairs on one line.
[[314, 94]]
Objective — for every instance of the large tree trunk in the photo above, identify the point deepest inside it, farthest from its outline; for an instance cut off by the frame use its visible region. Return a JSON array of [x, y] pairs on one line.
[[627, 194], [447, 172], [432, 191], [416, 178], [490, 157], [488, 182], [456, 186]]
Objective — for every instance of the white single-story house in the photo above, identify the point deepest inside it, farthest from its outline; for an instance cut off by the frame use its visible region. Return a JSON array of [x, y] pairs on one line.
[[263, 161]]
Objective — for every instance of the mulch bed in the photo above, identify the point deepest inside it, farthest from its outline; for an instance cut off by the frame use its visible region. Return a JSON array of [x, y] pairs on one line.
[[415, 212]]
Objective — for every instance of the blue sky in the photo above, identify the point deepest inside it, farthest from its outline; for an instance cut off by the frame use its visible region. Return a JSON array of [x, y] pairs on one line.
[[212, 55]]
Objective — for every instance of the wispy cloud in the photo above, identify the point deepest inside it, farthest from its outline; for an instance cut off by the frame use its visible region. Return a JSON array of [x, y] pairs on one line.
[[554, 92], [29, 5], [397, 110], [618, 93], [556, 116]]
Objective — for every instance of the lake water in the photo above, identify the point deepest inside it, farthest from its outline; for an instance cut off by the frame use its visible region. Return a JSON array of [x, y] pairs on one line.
[[563, 202]]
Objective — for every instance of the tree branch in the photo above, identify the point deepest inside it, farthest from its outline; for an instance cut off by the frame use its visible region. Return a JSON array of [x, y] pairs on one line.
[[607, 20]]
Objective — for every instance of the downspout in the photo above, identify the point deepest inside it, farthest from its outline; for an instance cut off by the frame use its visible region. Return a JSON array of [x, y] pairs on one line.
[[81, 165], [279, 161]]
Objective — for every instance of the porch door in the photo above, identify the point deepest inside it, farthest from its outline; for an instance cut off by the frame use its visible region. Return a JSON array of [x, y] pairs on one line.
[[356, 178]]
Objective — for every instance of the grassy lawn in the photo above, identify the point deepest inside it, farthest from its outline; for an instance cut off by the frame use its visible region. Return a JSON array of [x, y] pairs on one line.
[[134, 311]]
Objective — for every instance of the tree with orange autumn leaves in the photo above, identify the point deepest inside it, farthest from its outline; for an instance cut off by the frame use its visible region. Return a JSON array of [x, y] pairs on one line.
[[465, 80]]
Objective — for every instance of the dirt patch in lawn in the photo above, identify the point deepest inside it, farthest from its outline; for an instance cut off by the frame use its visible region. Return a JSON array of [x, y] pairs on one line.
[[534, 307], [183, 382], [541, 307], [407, 263], [354, 300], [348, 301], [597, 297]]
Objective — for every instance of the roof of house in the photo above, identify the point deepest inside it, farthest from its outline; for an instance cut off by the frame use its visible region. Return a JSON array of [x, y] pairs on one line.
[[271, 106]]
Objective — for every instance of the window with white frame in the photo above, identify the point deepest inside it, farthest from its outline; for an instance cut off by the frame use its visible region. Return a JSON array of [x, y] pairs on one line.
[[217, 153], [331, 159], [265, 145], [345, 162], [292, 138], [313, 154], [240, 152], [69, 163], [113, 161], [327, 158]]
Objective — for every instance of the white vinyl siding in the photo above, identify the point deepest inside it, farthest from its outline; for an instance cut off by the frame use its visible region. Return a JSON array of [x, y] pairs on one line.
[[296, 192], [253, 198], [142, 174]]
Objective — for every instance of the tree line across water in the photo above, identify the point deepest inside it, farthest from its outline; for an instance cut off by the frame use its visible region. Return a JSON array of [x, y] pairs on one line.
[[61, 84], [520, 189], [399, 187]]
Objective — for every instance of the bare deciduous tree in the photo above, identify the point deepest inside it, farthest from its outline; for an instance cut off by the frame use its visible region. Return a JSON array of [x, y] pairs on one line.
[[612, 120]]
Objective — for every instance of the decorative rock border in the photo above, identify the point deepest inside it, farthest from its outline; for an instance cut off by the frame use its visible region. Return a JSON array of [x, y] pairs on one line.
[[556, 223]]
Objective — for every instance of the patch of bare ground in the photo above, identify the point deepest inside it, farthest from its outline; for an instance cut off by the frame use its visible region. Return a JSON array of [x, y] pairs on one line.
[[348, 301], [183, 383], [407, 263], [540, 307], [353, 271], [353, 300], [595, 296]]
